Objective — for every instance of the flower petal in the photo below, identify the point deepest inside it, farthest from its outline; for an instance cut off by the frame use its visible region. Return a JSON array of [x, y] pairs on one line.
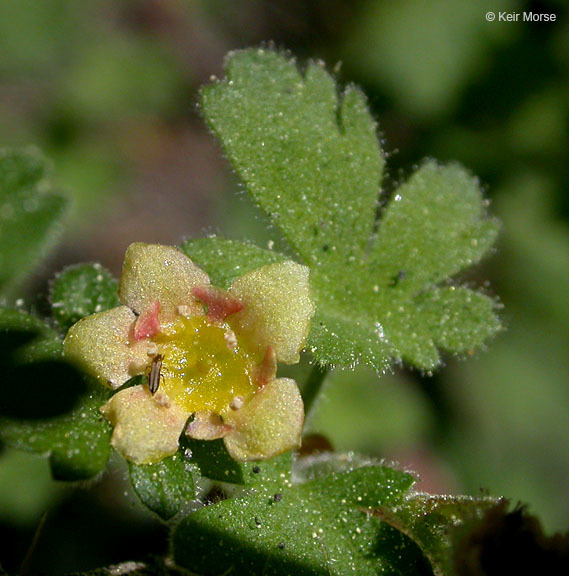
[[146, 427], [100, 343], [147, 325], [267, 370], [277, 309], [207, 425], [152, 272], [269, 424], [220, 304]]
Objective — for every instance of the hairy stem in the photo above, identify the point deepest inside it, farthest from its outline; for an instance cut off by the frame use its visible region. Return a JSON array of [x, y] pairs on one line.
[[313, 387]]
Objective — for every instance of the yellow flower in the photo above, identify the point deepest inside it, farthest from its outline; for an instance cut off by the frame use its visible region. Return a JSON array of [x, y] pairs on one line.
[[212, 354]]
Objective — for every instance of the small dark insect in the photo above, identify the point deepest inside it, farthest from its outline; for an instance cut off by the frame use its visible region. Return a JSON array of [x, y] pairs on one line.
[[154, 376]]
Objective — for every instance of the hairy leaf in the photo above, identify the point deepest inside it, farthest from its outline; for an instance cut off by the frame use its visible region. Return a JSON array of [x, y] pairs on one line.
[[314, 528], [211, 460], [431, 522], [299, 151], [166, 487], [78, 444], [310, 158], [29, 214], [82, 290], [225, 260]]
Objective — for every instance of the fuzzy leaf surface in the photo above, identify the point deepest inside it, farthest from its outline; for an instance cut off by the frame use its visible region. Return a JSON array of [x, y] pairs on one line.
[[29, 215], [299, 151], [314, 528], [225, 260], [431, 522], [82, 290], [166, 487], [211, 460], [77, 442], [310, 158]]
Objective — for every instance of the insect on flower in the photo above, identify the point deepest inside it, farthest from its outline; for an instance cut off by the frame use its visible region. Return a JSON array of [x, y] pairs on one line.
[[202, 350], [154, 376]]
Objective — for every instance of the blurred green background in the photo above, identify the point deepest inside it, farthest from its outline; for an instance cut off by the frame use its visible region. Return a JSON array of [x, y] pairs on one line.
[[108, 90]]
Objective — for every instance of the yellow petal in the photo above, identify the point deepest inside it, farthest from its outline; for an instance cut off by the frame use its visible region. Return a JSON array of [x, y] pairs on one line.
[[277, 309], [146, 427], [269, 424], [100, 345], [152, 272]]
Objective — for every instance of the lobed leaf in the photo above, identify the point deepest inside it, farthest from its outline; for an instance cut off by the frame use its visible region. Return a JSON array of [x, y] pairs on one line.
[[433, 227], [312, 528], [347, 337], [29, 214], [310, 158], [82, 290], [300, 151]]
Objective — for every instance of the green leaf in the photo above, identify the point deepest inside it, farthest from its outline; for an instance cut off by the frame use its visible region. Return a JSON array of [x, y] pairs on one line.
[[78, 443], [433, 227], [211, 460], [225, 260], [347, 337], [82, 290], [314, 528], [29, 215], [42, 384], [310, 158], [299, 151], [431, 522], [166, 487]]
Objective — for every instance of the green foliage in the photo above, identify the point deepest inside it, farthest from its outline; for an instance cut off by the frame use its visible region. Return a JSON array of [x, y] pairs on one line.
[[166, 487], [153, 567], [383, 277], [225, 260], [29, 214], [32, 354], [312, 161], [431, 522], [82, 290], [51, 408], [35, 415], [300, 153], [211, 460], [313, 528], [78, 444], [341, 515]]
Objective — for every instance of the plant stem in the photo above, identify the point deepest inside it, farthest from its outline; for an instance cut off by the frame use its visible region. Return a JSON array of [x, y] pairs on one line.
[[313, 387]]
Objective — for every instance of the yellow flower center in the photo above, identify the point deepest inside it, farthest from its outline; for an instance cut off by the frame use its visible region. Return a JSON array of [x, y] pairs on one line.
[[203, 367]]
